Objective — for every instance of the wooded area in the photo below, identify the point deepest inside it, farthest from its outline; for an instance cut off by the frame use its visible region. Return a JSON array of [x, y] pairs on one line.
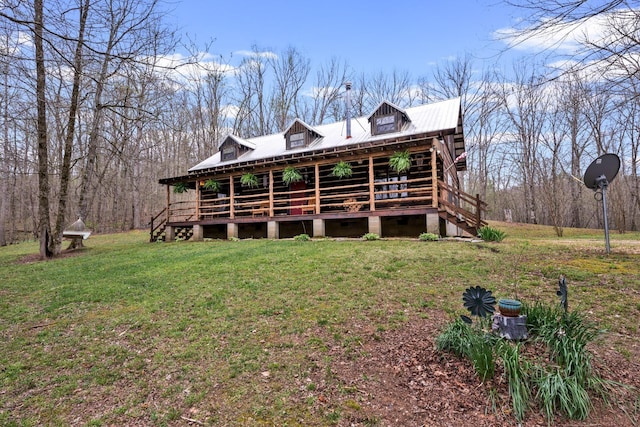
[[96, 107]]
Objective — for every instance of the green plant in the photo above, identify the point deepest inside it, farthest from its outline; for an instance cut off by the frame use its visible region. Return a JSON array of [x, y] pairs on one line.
[[213, 185], [400, 161], [428, 237], [342, 170], [454, 338], [517, 373], [556, 391], [249, 180], [302, 238], [291, 175], [371, 236], [480, 352], [180, 187], [490, 234]]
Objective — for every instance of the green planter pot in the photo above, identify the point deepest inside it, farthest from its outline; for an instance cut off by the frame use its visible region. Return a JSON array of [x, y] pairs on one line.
[[510, 307]]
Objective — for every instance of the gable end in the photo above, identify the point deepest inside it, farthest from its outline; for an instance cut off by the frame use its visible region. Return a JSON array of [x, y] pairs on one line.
[[230, 149], [387, 118], [299, 135]]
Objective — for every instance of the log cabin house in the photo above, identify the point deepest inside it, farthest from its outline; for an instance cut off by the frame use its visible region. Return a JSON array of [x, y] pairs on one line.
[[334, 180]]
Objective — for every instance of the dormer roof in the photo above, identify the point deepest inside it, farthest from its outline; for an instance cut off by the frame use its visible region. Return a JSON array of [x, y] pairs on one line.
[[300, 135]]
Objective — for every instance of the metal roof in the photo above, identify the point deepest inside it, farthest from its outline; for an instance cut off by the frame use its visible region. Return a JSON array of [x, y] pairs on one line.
[[428, 118]]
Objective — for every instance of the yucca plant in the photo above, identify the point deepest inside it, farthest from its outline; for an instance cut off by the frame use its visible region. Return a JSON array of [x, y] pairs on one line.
[[249, 180]]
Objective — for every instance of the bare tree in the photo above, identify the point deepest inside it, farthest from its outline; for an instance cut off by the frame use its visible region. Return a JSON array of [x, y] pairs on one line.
[[290, 71], [327, 88], [525, 105], [252, 118], [394, 88]]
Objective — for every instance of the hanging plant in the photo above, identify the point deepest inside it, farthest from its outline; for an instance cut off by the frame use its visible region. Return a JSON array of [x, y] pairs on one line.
[[180, 187], [213, 185], [400, 161], [291, 175], [342, 170], [249, 180]]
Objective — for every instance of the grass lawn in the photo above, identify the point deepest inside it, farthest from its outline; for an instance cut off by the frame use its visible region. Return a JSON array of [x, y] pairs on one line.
[[235, 332]]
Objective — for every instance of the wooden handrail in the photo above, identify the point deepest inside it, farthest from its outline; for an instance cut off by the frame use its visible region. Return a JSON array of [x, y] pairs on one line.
[[473, 218]]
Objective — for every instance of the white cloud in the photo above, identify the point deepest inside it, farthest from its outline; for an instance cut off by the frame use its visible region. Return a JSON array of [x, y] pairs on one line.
[[562, 37], [254, 54]]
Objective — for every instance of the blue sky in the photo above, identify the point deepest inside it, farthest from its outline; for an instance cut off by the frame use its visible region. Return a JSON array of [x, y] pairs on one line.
[[370, 35]]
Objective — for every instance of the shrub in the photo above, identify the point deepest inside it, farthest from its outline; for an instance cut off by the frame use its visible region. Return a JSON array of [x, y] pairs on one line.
[[428, 237], [371, 236], [302, 238], [490, 234]]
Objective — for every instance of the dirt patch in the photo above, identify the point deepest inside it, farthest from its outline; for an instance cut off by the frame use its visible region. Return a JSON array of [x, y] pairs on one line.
[[66, 253], [399, 378]]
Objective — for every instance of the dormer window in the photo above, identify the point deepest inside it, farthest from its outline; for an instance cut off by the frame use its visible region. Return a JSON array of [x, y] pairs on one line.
[[385, 124], [233, 147], [228, 153], [296, 140], [388, 118], [300, 135]]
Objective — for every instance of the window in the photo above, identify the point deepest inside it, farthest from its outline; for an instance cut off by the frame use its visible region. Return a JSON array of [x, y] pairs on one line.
[[296, 140], [385, 124], [229, 153]]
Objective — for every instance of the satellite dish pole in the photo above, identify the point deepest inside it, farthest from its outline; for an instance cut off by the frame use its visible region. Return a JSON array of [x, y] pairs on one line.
[[597, 177], [603, 183]]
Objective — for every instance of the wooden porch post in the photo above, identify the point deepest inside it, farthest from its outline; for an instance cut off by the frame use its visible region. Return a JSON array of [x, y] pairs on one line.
[[168, 201], [434, 175], [270, 193], [372, 187], [197, 200], [317, 181], [232, 191]]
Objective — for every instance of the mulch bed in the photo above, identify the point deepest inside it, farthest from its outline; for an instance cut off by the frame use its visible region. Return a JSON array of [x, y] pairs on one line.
[[398, 378]]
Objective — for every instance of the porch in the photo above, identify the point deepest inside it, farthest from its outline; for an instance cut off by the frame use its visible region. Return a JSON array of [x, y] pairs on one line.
[[403, 208]]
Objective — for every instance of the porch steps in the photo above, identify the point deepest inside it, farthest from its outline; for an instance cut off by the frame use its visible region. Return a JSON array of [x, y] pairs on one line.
[[460, 222]]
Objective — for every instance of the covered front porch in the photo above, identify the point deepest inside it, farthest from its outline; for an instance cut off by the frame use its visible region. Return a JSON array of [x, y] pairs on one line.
[[373, 198]]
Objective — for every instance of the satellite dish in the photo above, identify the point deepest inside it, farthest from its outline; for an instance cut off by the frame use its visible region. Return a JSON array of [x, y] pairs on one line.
[[602, 171], [597, 177]]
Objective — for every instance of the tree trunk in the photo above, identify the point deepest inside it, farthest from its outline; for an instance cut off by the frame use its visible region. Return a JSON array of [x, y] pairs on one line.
[[65, 170], [44, 226]]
